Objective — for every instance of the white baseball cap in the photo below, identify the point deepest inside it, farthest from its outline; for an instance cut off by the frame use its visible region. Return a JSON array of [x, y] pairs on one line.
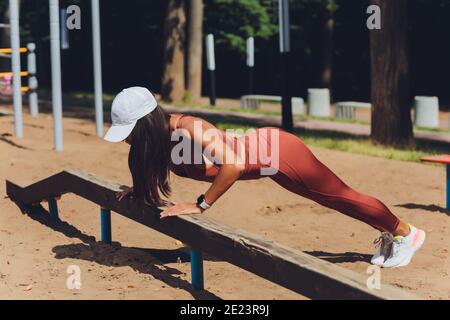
[[128, 107]]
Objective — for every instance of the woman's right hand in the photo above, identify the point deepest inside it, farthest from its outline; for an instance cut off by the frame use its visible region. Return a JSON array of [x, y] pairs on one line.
[[122, 194]]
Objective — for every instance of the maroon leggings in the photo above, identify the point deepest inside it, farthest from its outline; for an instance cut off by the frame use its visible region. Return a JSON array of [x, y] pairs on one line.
[[302, 173]]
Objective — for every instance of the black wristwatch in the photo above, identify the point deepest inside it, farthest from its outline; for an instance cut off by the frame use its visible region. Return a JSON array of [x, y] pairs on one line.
[[201, 203]]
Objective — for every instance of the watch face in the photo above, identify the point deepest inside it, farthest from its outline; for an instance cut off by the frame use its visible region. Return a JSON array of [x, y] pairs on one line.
[[200, 199]]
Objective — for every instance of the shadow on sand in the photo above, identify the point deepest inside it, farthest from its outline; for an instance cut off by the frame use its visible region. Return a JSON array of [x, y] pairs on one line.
[[427, 207], [142, 260], [341, 257]]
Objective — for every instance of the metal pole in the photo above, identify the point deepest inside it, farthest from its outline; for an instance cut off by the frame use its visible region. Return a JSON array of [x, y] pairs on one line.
[[32, 80], [211, 62], [212, 94], [250, 62], [105, 221], [63, 30], [56, 74], [197, 269], [250, 80], [286, 109], [15, 66], [448, 187], [53, 208], [97, 53]]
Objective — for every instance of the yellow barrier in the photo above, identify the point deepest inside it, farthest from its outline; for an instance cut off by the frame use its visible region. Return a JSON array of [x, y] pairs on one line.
[[22, 73], [9, 50], [24, 89]]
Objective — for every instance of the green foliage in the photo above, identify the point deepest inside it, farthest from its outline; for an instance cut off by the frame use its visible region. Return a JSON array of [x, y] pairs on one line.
[[187, 97], [330, 5], [133, 41], [233, 21]]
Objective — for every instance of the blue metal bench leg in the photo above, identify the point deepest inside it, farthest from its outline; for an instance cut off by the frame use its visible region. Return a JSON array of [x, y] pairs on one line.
[[105, 219], [448, 187], [197, 269], [53, 208]]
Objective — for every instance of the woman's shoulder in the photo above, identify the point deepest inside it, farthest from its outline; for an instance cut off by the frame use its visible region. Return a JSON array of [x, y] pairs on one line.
[[178, 119], [188, 121]]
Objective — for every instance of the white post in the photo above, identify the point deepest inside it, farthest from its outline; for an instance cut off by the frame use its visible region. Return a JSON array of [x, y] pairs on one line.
[[283, 18], [285, 48], [211, 63], [63, 30], [250, 62], [15, 66], [250, 52], [97, 53], [210, 58], [298, 106], [319, 102], [56, 74], [426, 112], [32, 80]]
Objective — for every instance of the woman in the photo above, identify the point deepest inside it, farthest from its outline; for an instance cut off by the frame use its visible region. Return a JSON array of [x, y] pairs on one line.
[[158, 146]]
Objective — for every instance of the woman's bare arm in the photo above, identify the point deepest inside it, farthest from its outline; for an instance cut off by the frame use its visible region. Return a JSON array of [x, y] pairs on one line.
[[229, 169]]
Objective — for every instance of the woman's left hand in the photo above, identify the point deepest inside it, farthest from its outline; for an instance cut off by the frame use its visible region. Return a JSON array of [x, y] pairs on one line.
[[181, 208]]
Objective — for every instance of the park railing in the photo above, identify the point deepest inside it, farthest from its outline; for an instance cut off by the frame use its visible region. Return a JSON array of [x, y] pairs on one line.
[[292, 269]]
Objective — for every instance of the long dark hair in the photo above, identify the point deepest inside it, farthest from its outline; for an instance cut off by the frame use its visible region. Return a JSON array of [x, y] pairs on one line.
[[149, 157]]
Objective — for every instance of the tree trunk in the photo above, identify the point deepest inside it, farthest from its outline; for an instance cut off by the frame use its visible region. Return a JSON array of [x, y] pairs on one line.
[[195, 49], [391, 117], [174, 35], [327, 49]]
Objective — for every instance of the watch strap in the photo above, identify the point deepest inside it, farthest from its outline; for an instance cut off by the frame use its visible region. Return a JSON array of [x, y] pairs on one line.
[[202, 203]]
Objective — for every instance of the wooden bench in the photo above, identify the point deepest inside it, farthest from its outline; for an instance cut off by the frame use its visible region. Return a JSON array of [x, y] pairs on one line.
[[253, 101], [346, 109], [443, 159], [292, 269]]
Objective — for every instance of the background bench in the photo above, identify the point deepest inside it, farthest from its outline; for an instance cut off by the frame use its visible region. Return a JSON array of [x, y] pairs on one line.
[[253, 101], [346, 109]]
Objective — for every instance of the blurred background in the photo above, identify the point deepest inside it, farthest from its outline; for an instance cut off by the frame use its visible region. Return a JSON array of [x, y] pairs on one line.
[[329, 45]]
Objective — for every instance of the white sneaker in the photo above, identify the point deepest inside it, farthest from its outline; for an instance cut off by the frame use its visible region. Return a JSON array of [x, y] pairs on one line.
[[384, 244], [403, 248]]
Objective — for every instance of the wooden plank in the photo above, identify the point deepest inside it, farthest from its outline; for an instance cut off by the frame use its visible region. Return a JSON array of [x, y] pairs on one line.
[[293, 269], [264, 98], [50, 187], [444, 158], [355, 104]]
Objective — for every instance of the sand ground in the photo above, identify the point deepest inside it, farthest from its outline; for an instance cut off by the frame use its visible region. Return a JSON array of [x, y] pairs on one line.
[[143, 264]]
